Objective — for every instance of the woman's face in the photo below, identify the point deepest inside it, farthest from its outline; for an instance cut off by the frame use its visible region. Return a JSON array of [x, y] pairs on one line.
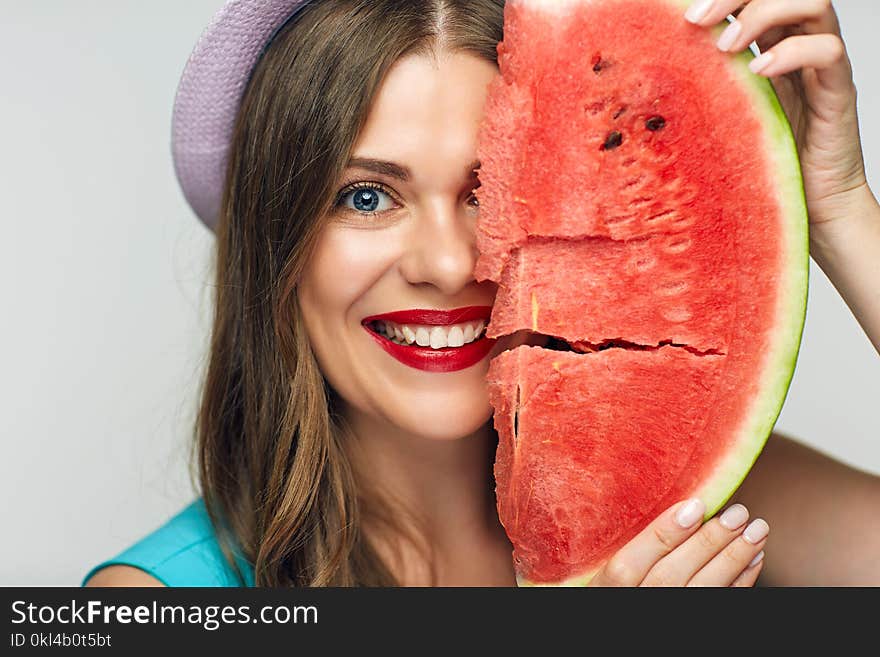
[[401, 243]]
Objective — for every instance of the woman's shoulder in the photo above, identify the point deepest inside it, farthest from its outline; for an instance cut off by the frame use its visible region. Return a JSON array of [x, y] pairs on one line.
[[182, 552]]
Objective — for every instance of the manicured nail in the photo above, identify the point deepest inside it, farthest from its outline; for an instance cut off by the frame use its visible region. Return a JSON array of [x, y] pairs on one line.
[[697, 11], [734, 517], [690, 513], [758, 558], [757, 531], [760, 62], [729, 36]]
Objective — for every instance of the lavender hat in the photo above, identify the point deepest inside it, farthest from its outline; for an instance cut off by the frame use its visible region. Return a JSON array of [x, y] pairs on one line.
[[210, 92]]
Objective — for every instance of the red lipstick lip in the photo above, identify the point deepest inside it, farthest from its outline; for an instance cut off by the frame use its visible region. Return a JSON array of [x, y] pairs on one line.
[[448, 359], [433, 317]]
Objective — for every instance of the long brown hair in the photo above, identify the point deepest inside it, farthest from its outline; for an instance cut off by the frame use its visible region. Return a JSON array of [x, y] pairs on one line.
[[276, 481]]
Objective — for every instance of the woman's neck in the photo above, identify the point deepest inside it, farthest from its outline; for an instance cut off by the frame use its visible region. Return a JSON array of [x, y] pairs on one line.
[[447, 493]]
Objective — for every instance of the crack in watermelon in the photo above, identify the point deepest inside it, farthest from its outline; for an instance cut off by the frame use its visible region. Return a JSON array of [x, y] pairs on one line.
[[538, 238], [559, 343], [586, 347], [516, 416]]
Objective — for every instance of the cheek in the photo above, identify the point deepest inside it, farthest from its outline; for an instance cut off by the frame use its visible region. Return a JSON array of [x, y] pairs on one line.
[[334, 293], [345, 265]]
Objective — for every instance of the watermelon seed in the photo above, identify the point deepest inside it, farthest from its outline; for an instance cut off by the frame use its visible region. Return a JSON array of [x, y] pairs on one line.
[[612, 141], [598, 64], [620, 112], [655, 123]]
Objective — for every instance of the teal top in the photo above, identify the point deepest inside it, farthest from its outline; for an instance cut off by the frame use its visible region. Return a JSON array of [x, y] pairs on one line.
[[182, 552]]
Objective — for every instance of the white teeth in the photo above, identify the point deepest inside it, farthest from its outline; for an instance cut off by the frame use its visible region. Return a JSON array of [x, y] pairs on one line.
[[439, 337], [468, 333], [435, 337], [456, 337]]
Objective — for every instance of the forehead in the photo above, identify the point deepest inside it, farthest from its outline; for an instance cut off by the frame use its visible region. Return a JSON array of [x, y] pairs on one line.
[[427, 110]]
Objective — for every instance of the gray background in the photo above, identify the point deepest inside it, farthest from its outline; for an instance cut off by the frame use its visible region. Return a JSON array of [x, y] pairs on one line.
[[105, 283]]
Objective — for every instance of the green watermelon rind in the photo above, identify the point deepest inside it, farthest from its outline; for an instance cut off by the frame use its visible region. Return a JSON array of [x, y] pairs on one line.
[[780, 367]]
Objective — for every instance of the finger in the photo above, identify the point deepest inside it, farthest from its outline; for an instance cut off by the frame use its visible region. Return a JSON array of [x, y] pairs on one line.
[[749, 576], [823, 52], [813, 17], [712, 12], [773, 36], [682, 564], [707, 17], [632, 562], [735, 558]]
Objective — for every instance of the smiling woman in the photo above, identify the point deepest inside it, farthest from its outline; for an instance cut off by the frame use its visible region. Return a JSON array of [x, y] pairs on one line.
[[344, 435], [328, 452], [399, 235]]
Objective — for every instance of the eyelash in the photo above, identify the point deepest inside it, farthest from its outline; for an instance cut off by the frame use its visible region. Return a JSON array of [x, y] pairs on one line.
[[348, 189]]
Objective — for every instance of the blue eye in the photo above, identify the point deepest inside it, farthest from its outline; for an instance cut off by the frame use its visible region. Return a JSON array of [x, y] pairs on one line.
[[366, 199]]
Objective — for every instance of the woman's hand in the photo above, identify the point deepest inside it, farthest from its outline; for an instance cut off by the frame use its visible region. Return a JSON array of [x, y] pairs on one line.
[[805, 57], [675, 550]]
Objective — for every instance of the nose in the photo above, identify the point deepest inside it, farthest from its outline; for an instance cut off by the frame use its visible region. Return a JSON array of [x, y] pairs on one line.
[[442, 248]]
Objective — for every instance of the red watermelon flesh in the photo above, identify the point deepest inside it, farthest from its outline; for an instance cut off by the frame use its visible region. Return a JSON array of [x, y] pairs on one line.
[[640, 203]]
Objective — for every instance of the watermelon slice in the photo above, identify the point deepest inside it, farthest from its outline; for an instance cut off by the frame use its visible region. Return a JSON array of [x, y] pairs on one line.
[[642, 208]]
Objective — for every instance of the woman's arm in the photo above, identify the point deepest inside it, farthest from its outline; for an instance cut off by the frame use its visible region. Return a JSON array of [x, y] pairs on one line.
[[849, 254], [120, 575], [825, 517]]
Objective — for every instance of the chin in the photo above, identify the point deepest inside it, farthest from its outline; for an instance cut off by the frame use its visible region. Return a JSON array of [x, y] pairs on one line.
[[446, 419]]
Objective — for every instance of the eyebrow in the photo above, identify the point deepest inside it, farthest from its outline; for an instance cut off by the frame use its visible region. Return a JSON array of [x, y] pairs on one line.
[[394, 170]]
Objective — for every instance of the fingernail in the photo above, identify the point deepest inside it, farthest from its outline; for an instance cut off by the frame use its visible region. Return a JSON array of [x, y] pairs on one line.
[[758, 558], [760, 62], [734, 517], [697, 11], [729, 36], [757, 531], [690, 513]]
